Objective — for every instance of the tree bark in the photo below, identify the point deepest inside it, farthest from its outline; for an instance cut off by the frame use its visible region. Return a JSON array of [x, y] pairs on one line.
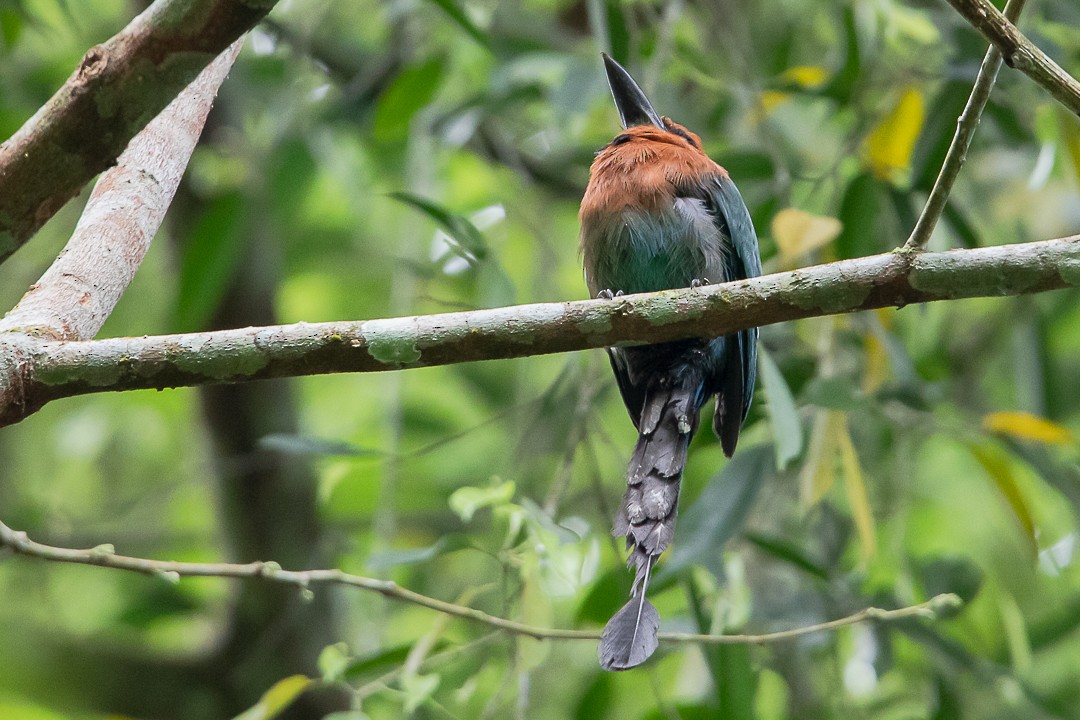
[[117, 89], [33, 371]]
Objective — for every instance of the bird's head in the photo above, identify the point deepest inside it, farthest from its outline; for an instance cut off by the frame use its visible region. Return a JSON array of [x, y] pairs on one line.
[[639, 119]]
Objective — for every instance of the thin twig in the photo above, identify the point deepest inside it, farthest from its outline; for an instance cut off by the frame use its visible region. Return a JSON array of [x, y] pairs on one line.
[[965, 131], [105, 556], [1019, 52]]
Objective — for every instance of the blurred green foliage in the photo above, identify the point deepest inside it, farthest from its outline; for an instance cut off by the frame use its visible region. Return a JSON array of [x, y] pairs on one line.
[[373, 159]]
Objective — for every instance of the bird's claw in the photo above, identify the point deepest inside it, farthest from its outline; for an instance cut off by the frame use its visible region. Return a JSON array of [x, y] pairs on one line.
[[608, 295], [698, 282]]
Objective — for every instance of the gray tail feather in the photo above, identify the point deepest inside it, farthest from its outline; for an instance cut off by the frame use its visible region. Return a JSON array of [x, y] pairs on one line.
[[629, 638], [669, 418]]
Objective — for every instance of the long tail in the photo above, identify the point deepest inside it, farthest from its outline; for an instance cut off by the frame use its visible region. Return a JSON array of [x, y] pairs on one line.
[[669, 418]]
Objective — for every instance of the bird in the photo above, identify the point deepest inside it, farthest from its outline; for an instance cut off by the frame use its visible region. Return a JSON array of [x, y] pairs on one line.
[[659, 214]]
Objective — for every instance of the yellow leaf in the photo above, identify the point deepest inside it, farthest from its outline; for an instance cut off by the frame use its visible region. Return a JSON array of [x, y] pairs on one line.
[[858, 498], [876, 367], [798, 232], [1070, 137], [280, 695], [997, 466], [806, 76], [819, 473], [831, 441], [889, 146], [770, 99], [1025, 426]]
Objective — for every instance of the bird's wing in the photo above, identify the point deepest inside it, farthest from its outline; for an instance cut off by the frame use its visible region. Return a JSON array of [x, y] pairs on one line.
[[742, 260], [633, 394]]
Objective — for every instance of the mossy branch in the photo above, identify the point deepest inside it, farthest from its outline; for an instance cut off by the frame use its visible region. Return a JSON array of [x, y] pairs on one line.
[[34, 370]]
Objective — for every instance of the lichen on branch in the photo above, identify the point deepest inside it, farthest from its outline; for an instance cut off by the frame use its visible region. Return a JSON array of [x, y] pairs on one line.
[[48, 370]]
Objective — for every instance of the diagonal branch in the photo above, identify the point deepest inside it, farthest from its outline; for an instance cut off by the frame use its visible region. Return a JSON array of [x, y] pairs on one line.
[[965, 132], [119, 87], [33, 371], [105, 556], [78, 292], [1019, 52]]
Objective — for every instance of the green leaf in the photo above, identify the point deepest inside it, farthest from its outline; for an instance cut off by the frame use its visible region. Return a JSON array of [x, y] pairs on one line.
[[719, 511], [418, 689], [788, 552], [281, 695], [938, 132], [461, 18], [468, 242], [467, 500], [833, 393], [536, 609], [157, 601], [783, 415], [843, 82], [684, 712], [998, 466], [11, 26], [290, 176], [333, 662], [618, 34], [411, 90], [387, 559], [210, 255], [1062, 476], [748, 165], [733, 676], [957, 219], [378, 663], [860, 210], [606, 596], [597, 698], [950, 574], [1016, 636]]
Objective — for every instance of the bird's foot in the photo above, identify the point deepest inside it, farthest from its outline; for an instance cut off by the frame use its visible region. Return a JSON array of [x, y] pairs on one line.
[[698, 282], [608, 295]]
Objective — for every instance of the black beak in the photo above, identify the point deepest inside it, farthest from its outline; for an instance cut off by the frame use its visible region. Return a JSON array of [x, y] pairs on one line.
[[634, 108]]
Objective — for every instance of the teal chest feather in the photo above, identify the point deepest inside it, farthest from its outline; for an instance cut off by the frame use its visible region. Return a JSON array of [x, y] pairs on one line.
[[645, 252]]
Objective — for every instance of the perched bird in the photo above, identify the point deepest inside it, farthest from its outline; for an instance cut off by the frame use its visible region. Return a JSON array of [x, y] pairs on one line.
[[659, 214]]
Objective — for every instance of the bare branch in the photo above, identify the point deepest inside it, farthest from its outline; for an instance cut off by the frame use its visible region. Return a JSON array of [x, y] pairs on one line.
[[33, 371], [78, 292], [118, 87], [105, 556], [965, 131], [1019, 52]]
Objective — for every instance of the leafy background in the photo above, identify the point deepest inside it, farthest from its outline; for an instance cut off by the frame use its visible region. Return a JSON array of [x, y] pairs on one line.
[[370, 159]]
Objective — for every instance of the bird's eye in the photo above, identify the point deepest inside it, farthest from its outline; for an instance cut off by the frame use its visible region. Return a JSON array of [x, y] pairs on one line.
[[620, 139]]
